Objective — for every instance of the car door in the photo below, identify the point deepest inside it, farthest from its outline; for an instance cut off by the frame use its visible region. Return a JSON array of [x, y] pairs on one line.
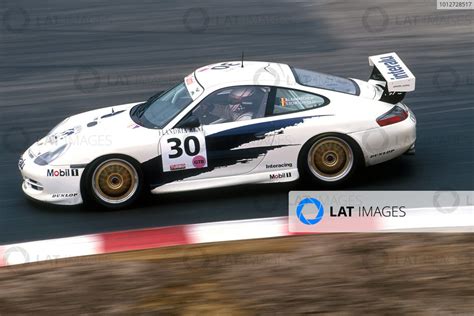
[[235, 143]]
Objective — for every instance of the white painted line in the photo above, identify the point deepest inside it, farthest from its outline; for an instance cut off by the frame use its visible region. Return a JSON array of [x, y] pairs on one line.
[[433, 220], [44, 250], [238, 230]]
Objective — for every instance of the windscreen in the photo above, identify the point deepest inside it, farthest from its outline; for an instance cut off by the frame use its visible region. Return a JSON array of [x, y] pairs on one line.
[[159, 110]]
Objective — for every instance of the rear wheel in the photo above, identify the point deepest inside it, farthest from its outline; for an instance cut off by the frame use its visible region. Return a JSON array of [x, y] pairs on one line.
[[113, 182], [329, 159]]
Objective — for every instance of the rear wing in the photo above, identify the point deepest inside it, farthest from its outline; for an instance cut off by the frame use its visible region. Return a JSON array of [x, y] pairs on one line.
[[391, 73]]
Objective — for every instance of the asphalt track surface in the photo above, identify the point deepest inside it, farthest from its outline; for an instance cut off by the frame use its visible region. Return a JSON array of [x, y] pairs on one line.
[[59, 58]]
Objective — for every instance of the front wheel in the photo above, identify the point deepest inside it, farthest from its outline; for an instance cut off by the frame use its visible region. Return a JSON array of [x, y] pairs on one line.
[[113, 182], [330, 159]]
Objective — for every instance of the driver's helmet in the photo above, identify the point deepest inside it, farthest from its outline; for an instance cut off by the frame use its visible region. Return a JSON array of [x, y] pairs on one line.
[[240, 99]]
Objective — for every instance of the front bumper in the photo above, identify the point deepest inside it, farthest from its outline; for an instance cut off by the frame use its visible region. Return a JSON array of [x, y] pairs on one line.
[[51, 184]]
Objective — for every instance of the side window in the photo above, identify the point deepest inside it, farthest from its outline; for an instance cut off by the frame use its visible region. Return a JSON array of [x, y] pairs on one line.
[[288, 101], [232, 104]]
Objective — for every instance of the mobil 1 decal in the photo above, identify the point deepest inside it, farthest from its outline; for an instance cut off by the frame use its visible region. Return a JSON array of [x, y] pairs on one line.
[[183, 149]]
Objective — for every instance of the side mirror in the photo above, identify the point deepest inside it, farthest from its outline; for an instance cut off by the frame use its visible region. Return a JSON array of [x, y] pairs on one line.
[[189, 122]]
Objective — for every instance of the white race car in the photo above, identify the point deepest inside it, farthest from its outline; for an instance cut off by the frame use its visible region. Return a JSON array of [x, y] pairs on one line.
[[229, 123]]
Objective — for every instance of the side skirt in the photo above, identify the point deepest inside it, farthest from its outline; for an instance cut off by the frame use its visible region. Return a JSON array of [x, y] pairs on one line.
[[275, 176]]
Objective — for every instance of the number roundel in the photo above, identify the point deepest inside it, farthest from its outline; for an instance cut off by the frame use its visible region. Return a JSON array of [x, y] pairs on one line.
[[183, 151]]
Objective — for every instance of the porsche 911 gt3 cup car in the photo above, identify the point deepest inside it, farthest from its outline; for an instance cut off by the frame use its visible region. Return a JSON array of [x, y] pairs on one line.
[[225, 124]]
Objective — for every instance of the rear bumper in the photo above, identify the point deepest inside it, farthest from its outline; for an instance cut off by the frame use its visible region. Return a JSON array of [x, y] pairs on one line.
[[385, 143], [410, 151]]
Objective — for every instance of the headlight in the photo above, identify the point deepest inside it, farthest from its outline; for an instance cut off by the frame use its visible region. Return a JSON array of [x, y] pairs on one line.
[[50, 156]]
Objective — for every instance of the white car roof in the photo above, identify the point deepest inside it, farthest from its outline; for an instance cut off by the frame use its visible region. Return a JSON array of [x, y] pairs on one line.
[[252, 73]]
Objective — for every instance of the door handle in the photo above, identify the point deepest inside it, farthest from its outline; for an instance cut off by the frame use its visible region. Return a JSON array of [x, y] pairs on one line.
[[259, 135]]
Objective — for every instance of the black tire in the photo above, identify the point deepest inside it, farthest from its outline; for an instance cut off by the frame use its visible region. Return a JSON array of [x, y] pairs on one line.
[[112, 182], [330, 160]]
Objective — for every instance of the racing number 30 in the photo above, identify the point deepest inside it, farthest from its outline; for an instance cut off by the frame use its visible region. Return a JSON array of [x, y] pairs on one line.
[[188, 149], [183, 151]]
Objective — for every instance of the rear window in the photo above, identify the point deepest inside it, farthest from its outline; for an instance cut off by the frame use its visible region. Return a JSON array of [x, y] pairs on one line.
[[324, 81], [289, 101]]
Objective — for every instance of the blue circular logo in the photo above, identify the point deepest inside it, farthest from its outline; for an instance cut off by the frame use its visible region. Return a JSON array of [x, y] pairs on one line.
[[310, 221]]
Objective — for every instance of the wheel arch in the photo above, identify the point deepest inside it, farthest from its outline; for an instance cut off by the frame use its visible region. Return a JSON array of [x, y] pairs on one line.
[[349, 139], [87, 169]]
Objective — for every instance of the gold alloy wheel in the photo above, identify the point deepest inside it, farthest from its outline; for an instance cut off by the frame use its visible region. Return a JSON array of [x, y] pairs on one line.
[[330, 159], [115, 181]]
